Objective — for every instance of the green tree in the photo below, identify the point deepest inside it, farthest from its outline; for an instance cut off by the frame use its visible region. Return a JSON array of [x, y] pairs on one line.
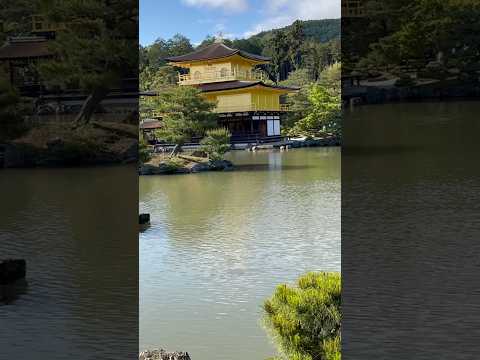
[[185, 114], [299, 77], [156, 53], [179, 45], [96, 49], [417, 32], [16, 17], [158, 79], [143, 61], [13, 109], [143, 150], [324, 113], [306, 319], [277, 48], [216, 143], [331, 78], [300, 106], [295, 37], [9, 100]]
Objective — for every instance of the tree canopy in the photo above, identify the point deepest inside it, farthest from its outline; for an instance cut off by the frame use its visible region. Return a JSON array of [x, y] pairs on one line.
[[95, 51], [305, 319], [415, 34], [185, 114]]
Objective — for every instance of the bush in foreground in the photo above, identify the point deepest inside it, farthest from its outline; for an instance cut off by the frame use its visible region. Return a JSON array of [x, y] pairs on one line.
[[216, 143], [305, 319]]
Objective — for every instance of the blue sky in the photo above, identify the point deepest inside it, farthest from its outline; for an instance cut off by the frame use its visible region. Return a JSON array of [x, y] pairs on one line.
[[233, 18]]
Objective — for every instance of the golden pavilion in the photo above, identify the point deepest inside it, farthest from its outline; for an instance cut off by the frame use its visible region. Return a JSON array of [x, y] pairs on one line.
[[247, 106]]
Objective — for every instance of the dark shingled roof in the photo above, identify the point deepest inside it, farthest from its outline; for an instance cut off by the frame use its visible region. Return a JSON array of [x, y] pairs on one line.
[[215, 51], [24, 48], [230, 85]]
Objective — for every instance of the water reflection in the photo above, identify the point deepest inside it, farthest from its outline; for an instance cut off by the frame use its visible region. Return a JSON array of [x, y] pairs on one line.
[[77, 230], [410, 202], [9, 293]]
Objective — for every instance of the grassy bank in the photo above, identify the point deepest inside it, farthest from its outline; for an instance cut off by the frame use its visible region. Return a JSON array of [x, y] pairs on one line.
[[59, 144]]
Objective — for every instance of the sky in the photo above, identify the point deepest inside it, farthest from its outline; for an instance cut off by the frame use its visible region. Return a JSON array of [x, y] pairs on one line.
[[232, 18]]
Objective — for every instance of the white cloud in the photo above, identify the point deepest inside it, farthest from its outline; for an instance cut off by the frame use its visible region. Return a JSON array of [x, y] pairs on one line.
[[220, 27], [280, 13], [228, 5]]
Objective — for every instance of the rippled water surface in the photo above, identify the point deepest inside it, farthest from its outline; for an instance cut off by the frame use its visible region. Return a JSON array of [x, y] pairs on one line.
[[410, 222], [219, 243], [76, 228]]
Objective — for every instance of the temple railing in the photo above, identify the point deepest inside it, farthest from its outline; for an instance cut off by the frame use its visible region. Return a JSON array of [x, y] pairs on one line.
[[251, 107], [216, 76]]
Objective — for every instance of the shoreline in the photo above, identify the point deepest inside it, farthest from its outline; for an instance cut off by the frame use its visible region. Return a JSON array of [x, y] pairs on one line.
[[162, 164], [56, 145], [189, 163], [160, 354]]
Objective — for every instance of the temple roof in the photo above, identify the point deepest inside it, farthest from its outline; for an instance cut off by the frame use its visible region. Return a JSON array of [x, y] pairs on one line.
[[23, 48], [231, 85], [216, 51]]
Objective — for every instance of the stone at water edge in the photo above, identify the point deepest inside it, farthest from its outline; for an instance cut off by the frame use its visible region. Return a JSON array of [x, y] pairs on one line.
[[163, 355], [143, 219], [12, 270]]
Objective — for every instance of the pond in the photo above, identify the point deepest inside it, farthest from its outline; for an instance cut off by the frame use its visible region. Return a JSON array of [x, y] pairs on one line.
[[220, 242], [410, 195], [77, 231]]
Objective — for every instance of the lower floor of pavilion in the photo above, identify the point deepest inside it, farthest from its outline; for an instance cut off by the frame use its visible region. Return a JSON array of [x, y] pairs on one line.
[[252, 126]]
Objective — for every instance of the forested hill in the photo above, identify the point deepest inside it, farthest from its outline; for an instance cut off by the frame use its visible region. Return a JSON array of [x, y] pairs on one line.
[[319, 30]]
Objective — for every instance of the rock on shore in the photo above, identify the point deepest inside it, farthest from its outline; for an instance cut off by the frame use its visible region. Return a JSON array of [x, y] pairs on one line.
[[12, 270], [163, 355]]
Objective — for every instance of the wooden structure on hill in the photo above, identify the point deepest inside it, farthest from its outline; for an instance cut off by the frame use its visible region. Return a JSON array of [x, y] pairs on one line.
[[247, 106], [353, 8], [19, 58]]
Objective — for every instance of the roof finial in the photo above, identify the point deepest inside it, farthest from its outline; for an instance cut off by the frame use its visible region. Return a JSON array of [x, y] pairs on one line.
[[219, 38]]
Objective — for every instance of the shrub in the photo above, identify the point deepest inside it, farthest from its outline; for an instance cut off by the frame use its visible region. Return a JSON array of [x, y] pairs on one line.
[[172, 165], [216, 143], [404, 81], [143, 151], [305, 319]]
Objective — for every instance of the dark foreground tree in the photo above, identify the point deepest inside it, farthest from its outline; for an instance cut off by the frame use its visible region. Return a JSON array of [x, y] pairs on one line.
[[306, 319], [96, 48]]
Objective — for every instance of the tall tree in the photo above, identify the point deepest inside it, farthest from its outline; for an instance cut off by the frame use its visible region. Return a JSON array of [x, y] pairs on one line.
[[179, 45], [278, 49], [295, 37]]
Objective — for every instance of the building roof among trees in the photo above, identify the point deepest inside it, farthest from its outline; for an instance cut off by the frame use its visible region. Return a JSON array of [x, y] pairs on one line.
[[25, 47], [231, 85], [150, 124], [216, 51]]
